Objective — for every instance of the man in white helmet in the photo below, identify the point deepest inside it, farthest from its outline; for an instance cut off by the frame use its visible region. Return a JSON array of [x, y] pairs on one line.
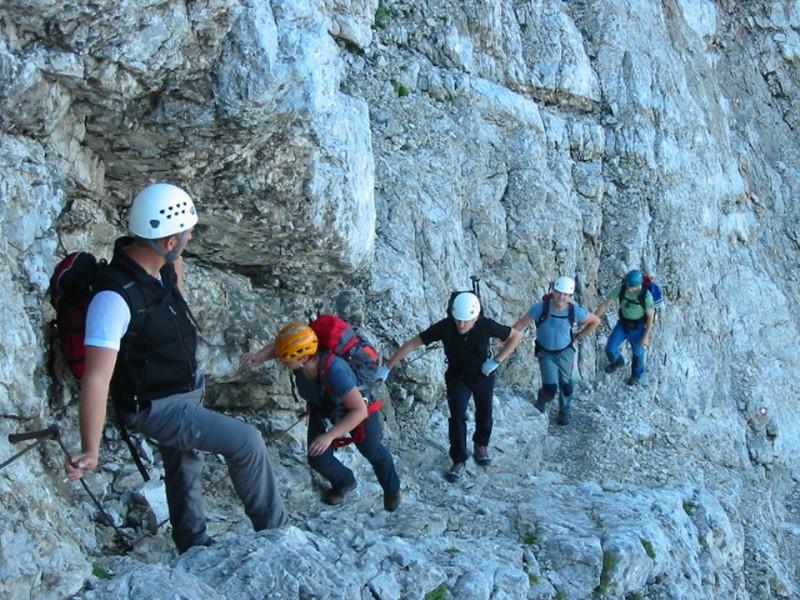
[[465, 334], [140, 342], [555, 317]]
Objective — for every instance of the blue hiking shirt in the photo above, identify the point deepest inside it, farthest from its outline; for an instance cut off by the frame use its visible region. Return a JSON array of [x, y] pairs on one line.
[[555, 331], [341, 380]]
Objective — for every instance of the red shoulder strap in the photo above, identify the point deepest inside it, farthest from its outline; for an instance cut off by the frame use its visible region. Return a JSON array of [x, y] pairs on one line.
[[325, 362]]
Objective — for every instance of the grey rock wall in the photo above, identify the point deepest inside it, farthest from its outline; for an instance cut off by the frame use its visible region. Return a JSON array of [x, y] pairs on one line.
[[373, 155]]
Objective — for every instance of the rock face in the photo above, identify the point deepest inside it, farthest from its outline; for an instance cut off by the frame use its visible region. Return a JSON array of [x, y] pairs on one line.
[[372, 155]]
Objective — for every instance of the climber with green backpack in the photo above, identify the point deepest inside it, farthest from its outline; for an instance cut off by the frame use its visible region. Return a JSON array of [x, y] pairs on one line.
[[637, 312], [555, 316]]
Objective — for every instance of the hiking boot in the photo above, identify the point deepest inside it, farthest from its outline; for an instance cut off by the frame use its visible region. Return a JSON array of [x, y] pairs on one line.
[[335, 496], [206, 541], [391, 502], [613, 366], [481, 455], [541, 402], [541, 405], [633, 381], [456, 472], [563, 417]]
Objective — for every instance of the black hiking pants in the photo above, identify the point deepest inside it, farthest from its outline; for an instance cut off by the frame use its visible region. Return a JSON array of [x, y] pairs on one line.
[[459, 391]]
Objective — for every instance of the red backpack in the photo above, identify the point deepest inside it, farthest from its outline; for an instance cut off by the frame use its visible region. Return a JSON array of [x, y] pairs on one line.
[[338, 338], [70, 293], [72, 286]]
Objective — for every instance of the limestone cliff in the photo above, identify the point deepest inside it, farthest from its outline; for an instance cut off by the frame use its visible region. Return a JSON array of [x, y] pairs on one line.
[[372, 155]]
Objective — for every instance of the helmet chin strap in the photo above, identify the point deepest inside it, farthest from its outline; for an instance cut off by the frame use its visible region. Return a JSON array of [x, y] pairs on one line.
[[168, 255]]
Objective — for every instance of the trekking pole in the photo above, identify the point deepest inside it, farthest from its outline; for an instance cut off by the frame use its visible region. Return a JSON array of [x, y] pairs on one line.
[[476, 289], [313, 314], [51, 432], [476, 285], [54, 433]]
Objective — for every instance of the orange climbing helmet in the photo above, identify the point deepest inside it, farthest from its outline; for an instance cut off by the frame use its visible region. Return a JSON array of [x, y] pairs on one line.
[[295, 341]]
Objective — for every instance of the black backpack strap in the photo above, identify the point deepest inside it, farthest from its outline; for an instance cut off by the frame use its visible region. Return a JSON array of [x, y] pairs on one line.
[[125, 285], [643, 297], [115, 280], [482, 331], [546, 313], [447, 338]]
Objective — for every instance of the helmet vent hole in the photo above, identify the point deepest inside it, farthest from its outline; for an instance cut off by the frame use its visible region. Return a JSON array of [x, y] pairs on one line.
[[154, 223]]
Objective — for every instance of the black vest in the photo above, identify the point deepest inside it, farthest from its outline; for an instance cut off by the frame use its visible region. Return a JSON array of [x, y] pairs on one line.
[[157, 353]]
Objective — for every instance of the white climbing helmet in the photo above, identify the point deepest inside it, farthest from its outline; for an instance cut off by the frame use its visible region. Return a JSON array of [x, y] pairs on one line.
[[466, 306], [565, 285], [161, 210]]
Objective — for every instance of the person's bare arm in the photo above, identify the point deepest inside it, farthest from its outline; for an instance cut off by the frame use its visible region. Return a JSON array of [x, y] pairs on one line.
[[511, 343], [651, 317], [590, 323], [602, 308], [522, 322], [95, 383], [356, 412], [252, 359], [403, 351]]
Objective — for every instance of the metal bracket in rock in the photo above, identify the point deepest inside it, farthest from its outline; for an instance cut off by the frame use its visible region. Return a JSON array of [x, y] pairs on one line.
[[54, 433]]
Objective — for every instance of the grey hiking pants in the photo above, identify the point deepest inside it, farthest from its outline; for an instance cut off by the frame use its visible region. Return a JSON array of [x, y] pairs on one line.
[[181, 426], [556, 369]]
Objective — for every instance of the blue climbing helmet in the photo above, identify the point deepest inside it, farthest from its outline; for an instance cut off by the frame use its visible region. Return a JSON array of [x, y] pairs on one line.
[[634, 278]]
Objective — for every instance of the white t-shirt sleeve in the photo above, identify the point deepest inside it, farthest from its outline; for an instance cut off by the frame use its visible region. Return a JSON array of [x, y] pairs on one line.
[[107, 320]]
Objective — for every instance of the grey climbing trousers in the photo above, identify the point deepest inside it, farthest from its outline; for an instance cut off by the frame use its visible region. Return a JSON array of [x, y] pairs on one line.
[[181, 426], [556, 369]]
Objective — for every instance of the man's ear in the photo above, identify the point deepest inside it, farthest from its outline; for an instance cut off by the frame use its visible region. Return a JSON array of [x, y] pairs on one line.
[[170, 242]]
